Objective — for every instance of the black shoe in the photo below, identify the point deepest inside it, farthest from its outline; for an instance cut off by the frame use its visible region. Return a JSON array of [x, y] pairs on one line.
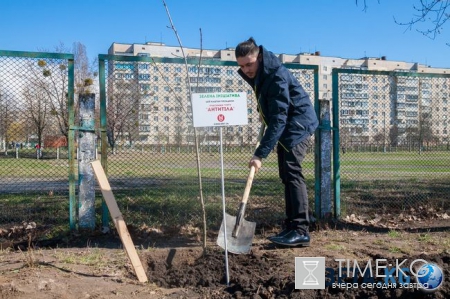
[[293, 238], [280, 234]]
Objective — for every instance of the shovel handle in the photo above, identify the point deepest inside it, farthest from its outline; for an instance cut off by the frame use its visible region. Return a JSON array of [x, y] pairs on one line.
[[251, 175], [243, 205], [248, 186]]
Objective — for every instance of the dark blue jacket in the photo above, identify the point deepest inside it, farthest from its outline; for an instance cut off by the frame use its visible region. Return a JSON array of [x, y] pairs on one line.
[[283, 105]]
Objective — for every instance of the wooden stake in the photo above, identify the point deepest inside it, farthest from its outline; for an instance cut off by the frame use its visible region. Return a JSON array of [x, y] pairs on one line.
[[117, 218]]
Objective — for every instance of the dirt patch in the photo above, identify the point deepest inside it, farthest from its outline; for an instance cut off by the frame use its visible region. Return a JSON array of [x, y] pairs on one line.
[[268, 274], [177, 267]]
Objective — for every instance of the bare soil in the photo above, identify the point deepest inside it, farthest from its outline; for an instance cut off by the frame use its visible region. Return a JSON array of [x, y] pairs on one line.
[[96, 266]]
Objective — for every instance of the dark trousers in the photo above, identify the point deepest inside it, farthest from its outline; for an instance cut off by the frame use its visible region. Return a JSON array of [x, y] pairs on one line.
[[295, 194]]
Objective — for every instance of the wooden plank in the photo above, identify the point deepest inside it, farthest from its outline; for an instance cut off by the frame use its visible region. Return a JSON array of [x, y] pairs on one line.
[[117, 218]]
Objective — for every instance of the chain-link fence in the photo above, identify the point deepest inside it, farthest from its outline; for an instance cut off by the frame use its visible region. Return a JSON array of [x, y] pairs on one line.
[[394, 152], [152, 161], [34, 96], [390, 142]]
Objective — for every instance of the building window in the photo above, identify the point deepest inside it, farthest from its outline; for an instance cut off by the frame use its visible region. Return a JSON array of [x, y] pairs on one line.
[[145, 87], [166, 118], [144, 77], [123, 66], [145, 107]]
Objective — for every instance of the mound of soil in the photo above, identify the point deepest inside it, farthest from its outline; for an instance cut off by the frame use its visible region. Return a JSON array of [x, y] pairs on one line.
[[263, 274]]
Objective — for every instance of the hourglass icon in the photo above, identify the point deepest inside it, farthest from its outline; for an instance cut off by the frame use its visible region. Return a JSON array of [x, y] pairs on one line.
[[310, 279]]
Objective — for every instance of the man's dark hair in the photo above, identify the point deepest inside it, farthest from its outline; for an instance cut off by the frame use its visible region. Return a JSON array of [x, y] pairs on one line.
[[247, 47]]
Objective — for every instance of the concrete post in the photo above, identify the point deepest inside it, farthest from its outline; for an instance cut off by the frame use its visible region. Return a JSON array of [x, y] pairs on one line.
[[325, 161], [86, 154]]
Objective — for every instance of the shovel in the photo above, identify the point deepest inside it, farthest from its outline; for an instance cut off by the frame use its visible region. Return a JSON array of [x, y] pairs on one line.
[[239, 232]]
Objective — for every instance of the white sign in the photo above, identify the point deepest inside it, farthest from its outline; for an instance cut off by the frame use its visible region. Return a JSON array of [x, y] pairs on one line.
[[219, 109]]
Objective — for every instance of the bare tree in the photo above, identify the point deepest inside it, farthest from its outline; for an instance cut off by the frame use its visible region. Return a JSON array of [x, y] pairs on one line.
[[394, 135], [431, 14], [122, 114], [365, 6], [7, 117], [84, 72], [197, 151], [50, 76], [36, 110]]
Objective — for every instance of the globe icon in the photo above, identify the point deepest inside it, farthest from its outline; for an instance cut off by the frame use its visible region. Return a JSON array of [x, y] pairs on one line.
[[430, 276]]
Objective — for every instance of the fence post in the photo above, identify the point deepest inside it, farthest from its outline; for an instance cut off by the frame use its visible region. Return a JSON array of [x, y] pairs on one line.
[[325, 159], [86, 154]]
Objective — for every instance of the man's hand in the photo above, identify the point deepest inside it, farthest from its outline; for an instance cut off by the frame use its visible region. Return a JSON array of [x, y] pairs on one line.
[[256, 162]]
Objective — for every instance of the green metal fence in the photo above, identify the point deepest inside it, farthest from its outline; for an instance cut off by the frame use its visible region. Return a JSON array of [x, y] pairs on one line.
[[148, 145], [391, 144], [391, 149], [36, 90]]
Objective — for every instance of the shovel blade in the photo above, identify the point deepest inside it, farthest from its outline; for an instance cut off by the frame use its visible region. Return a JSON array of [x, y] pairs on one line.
[[242, 243]]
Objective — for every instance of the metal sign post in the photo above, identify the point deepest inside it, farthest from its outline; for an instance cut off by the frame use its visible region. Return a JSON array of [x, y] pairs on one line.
[[220, 110]]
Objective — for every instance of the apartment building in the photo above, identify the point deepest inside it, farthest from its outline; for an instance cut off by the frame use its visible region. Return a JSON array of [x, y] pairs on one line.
[[379, 109]]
